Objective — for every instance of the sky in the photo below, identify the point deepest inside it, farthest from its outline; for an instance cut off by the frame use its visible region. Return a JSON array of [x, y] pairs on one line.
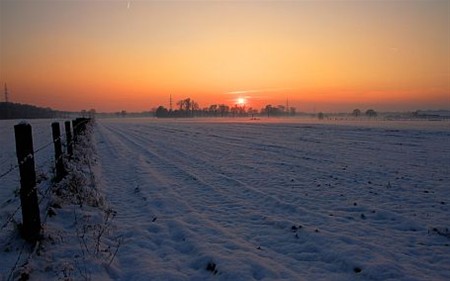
[[330, 56]]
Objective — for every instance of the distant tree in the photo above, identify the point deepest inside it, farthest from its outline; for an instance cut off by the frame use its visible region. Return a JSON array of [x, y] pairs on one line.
[[123, 113], [321, 115], [356, 112], [292, 111], [238, 110], [194, 107], [234, 110], [188, 107], [161, 112], [371, 113], [267, 110], [280, 110], [92, 112], [252, 112], [213, 109], [180, 104], [224, 110]]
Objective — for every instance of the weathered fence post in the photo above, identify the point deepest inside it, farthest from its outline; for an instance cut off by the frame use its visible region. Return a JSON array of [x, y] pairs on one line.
[[59, 164], [28, 197], [69, 138]]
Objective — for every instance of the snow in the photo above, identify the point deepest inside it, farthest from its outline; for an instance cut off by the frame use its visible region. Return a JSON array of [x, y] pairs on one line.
[[268, 199]]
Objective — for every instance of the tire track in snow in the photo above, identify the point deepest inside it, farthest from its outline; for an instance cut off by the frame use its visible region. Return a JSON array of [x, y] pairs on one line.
[[258, 228], [205, 174], [194, 213], [258, 223]]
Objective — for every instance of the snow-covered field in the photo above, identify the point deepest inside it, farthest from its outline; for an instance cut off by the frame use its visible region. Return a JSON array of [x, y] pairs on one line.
[[271, 199]]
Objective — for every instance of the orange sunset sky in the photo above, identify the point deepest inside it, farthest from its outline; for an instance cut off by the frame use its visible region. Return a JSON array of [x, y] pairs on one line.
[[321, 55]]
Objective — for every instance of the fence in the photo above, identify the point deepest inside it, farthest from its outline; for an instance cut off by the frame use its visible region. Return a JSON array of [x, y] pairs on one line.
[[33, 195], [29, 201]]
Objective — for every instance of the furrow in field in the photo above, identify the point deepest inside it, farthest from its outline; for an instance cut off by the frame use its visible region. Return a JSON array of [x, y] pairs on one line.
[[195, 208]]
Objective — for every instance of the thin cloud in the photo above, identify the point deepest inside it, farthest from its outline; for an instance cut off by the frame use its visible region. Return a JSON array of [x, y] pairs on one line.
[[257, 91]]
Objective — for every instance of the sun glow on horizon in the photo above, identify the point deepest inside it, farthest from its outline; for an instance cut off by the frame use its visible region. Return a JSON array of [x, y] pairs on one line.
[[240, 101]]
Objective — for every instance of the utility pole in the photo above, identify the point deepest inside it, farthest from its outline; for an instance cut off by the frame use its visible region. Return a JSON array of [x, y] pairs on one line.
[[287, 106], [170, 103], [6, 94]]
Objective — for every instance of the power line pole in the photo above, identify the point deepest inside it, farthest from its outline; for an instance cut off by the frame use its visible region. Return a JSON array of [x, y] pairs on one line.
[[170, 103], [287, 106], [6, 94]]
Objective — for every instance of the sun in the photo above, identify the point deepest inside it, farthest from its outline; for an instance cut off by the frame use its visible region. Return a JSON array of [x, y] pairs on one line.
[[240, 101]]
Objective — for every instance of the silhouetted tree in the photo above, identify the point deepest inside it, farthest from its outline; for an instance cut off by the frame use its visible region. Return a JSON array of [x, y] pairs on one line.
[[92, 112], [213, 109], [292, 111], [267, 110], [279, 110], [237, 110], [161, 112], [252, 112], [194, 107], [321, 115], [371, 113], [224, 110], [180, 104], [356, 112], [188, 107]]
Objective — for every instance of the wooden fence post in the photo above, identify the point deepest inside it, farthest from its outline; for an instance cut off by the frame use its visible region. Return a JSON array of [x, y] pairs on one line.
[[59, 164], [67, 125], [31, 219]]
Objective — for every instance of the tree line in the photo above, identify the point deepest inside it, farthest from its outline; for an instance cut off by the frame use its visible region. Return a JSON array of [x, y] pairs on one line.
[[9, 110], [371, 113], [190, 108]]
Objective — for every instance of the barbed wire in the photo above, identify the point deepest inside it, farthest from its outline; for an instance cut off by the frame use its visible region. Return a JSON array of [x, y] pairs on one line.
[[10, 218], [38, 188], [29, 156], [13, 269], [4, 174], [43, 195]]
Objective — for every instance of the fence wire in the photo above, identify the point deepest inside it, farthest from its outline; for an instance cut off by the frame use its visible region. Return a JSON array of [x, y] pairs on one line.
[[4, 174], [30, 156]]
